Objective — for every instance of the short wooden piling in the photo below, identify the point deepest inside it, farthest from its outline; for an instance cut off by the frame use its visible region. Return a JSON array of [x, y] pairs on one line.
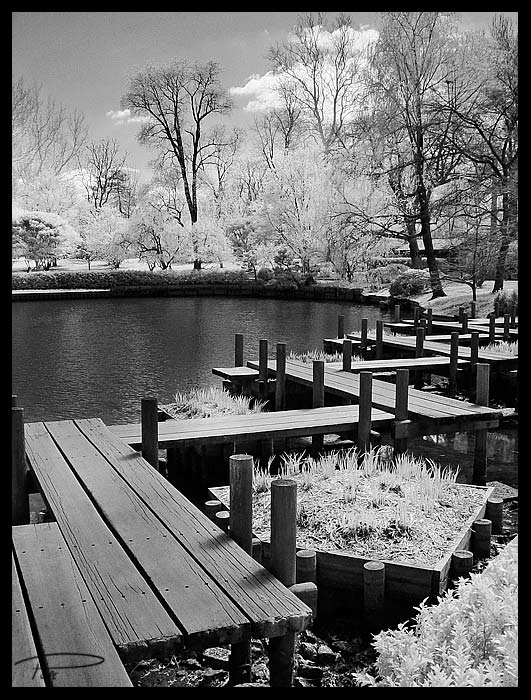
[[283, 566], [365, 406], [306, 566], [474, 347], [460, 313], [340, 326], [416, 316], [318, 398], [397, 313], [512, 312], [262, 361], [211, 508], [150, 431], [13, 400], [494, 513], [464, 322], [280, 381], [401, 407], [452, 369], [479, 473], [462, 563], [473, 307], [373, 592], [363, 339], [241, 500], [379, 339], [492, 327], [481, 534], [506, 326], [19, 495], [419, 352], [238, 350], [496, 309], [429, 324], [222, 518], [347, 355]]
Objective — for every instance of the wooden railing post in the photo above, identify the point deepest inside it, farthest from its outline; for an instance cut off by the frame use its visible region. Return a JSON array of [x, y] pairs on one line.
[[318, 395], [492, 327], [401, 408], [464, 322], [429, 324], [347, 355], [474, 358], [416, 316], [379, 339], [20, 514], [479, 474], [452, 370], [241, 531], [513, 315], [262, 361], [473, 306], [238, 350], [365, 410], [280, 384], [150, 431], [506, 326], [283, 566], [363, 342], [397, 313], [419, 352], [340, 326], [496, 309]]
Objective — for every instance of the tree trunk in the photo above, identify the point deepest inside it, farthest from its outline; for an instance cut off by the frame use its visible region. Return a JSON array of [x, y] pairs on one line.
[[197, 264], [414, 252], [88, 263], [425, 227], [508, 221]]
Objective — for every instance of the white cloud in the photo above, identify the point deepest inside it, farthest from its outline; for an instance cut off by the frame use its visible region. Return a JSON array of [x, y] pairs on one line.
[[123, 116]]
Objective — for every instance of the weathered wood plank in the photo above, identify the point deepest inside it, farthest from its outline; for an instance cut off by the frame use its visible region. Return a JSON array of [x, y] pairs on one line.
[[24, 674], [200, 606], [270, 606], [132, 613], [77, 649], [238, 373]]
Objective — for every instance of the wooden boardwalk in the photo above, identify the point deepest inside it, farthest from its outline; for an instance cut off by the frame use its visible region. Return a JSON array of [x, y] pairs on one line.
[[391, 365], [450, 326], [160, 573]]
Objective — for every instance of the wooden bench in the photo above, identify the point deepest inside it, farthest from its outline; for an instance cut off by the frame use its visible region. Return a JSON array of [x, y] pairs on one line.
[[69, 645]]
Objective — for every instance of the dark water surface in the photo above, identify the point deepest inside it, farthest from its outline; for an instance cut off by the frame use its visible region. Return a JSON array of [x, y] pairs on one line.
[[83, 358]]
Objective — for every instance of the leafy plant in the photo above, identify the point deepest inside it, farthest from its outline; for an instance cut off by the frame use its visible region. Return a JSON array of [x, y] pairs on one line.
[[409, 284]]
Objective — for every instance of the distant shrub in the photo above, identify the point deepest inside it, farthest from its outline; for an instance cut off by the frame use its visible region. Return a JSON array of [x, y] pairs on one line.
[[506, 300], [265, 274], [409, 284], [384, 275], [469, 639]]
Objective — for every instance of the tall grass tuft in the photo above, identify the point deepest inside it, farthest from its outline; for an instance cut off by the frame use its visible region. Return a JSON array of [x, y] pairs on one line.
[[213, 401]]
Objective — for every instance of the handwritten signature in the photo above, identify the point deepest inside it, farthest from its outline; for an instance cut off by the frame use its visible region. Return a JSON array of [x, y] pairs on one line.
[[78, 660]]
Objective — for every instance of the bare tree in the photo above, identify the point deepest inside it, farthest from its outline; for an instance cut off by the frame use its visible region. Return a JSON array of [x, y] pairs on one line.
[[177, 99], [102, 167]]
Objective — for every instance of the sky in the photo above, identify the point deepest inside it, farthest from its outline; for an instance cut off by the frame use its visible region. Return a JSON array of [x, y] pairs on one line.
[[83, 59]]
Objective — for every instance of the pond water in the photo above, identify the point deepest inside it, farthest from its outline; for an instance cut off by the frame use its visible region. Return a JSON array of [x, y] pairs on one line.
[[84, 358]]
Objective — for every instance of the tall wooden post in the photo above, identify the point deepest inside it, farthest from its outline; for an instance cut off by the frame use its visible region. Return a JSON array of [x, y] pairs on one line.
[[280, 383], [262, 361], [347, 355], [241, 531], [363, 342], [513, 315], [474, 355], [452, 370], [461, 312], [473, 306], [430, 321], [416, 316], [365, 407], [496, 309], [238, 350], [150, 431], [479, 474], [419, 352], [401, 412], [397, 313], [506, 326], [340, 326], [283, 566], [318, 394], [492, 327], [464, 322], [379, 339], [19, 496]]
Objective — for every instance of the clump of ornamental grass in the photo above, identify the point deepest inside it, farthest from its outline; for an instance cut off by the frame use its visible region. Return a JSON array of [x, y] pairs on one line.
[[315, 354], [212, 401], [468, 639], [503, 347]]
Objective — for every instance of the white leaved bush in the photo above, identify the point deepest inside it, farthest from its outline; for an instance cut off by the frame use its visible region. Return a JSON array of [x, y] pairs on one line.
[[468, 639]]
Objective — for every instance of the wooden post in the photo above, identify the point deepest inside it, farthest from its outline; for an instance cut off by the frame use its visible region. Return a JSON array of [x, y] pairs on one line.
[[492, 327], [19, 496], [513, 315], [365, 404], [280, 383], [474, 347], [506, 326], [462, 563], [363, 342], [211, 508], [318, 399], [430, 321], [473, 306], [494, 513], [222, 518], [238, 350], [496, 309], [452, 370], [283, 566], [13, 400], [464, 322], [373, 592], [256, 550], [379, 339], [306, 566], [347, 355], [340, 326], [262, 361], [419, 352], [397, 313], [416, 316], [150, 431], [241, 531], [481, 533], [401, 402], [461, 311], [479, 474]]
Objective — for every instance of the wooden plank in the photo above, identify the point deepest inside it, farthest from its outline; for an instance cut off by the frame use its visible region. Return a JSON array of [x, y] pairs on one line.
[[24, 674], [390, 365], [231, 373], [272, 609], [132, 613], [77, 649], [202, 610]]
